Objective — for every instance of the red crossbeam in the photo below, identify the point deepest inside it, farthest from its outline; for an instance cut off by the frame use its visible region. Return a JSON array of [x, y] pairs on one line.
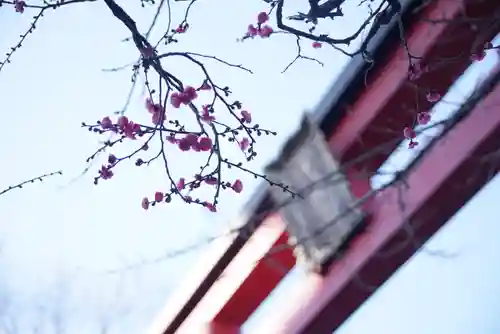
[[452, 166]]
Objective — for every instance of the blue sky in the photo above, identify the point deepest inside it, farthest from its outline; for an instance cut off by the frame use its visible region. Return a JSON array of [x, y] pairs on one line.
[[58, 238]]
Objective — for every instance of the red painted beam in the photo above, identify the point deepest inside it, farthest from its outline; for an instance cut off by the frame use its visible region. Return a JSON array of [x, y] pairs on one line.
[[451, 166], [381, 111]]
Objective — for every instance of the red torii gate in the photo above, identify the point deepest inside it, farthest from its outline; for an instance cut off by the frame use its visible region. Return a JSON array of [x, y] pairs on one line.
[[231, 287]]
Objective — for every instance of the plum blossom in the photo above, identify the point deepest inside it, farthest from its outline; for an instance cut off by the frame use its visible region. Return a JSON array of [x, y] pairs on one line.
[[188, 95], [478, 56], [171, 139], [122, 122], [181, 183], [106, 123], [210, 206], [265, 31], [147, 52], [415, 71], [181, 29], [205, 86], [409, 133], [211, 180], [158, 196], [412, 144], [262, 17], [433, 97], [185, 97], [130, 129], [112, 159], [252, 31], [244, 144], [204, 144], [423, 118], [184, 145], [106, 173], [175, 99], [237, 186], [145, 203], [158, 118], [19, 5], [205, 116], [246, 116]]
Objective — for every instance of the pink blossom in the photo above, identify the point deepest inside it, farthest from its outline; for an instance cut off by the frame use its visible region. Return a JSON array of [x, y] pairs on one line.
[[205, 86], [19, 6], [122, 122], [158, 196], [252, 31], [112, 159], [317, 45], [188, 95], [237, 186], [195, 147], [158, 118], [130, 129], [105, 172], [147, 52], [415, 72], [171, 139], [409, 133], [211, 180], [246, 116], [106, 123], [244, 144], [145, 203], [262, 17], [149, 105], [180, 29], [478, 56], [184, 145], [181, 183], [205, 144], [423, 118], [153, 107], [265, 31], [205, 116], [192, 139], [210, 206], [433, 97], [175, 99]]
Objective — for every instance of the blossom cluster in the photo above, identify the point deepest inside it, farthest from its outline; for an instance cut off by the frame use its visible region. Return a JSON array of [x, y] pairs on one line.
[[415, 71], [185, 141]]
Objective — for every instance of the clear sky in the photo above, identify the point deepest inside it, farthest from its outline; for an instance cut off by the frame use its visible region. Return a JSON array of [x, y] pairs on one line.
[[58, 238]]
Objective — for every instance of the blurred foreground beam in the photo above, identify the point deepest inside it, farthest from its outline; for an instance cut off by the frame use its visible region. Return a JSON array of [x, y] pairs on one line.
[[436, 186], [245, 283]]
